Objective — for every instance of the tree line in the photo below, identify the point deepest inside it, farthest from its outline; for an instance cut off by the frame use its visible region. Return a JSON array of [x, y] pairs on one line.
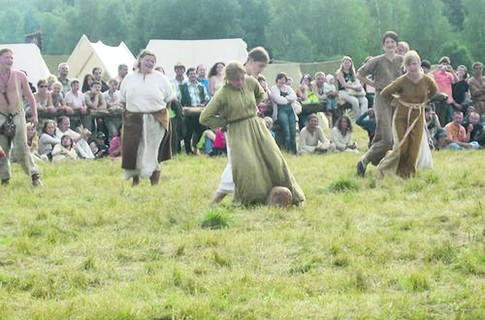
[[301, 30]]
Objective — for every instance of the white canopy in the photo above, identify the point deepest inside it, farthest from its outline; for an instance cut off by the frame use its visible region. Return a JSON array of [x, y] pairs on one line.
[[192, 53], [27, 57], [87, 55]]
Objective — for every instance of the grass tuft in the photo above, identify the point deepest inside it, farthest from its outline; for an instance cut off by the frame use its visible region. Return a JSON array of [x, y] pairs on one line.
[[444, 252], [305, 266], [344, 184], [89, 263], [215, 219]]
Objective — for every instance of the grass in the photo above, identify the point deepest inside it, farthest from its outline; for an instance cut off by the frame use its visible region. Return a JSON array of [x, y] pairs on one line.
[[88, 246]]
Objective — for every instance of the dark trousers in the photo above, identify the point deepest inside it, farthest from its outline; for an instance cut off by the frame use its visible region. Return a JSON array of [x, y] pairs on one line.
[[193, 133]]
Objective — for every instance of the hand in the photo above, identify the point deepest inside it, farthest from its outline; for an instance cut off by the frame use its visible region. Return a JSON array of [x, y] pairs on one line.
[[458, 106], [34, 119], [470, 127]]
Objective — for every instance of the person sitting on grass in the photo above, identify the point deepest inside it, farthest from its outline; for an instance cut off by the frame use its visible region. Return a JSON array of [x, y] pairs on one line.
[[331, 93], [115, 144], [268, 121], [312, 138], [80, 140], [64, 151], [457, 138], [48, 140], [98, 146], [474, 129], [212, 142], [367, 121], [342, 135], [433, 125]]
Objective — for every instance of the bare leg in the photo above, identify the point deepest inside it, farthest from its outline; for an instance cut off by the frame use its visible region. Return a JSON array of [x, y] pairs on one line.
[[218, 197]]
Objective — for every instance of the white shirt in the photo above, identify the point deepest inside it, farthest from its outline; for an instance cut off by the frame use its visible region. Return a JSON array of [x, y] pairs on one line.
[[146, 92], [73, 101]]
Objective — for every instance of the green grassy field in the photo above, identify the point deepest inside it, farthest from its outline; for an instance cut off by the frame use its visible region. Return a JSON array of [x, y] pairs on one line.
[[88, 246]]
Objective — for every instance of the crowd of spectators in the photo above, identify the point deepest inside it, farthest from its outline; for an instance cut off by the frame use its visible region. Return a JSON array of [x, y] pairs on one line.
[[82, 120]]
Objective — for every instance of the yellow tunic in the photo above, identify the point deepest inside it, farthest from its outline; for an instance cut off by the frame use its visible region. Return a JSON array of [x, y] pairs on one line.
[[408, 124], [257, 163]]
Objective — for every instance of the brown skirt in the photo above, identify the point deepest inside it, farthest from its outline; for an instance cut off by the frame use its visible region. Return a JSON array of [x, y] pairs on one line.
[[131, 134]]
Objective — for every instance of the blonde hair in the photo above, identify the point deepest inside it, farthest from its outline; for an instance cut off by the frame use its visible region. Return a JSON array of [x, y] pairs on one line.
[[233, 70], [404, 44], [320, 73], [62, 64], [409, 56], [57, 84], [52, 78]]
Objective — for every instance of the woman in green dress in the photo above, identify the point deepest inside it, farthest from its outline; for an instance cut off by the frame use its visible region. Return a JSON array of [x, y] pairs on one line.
[[257, 163]]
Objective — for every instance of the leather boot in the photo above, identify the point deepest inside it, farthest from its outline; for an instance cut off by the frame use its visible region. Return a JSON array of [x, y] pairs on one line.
[[136, 181], [155, 178]]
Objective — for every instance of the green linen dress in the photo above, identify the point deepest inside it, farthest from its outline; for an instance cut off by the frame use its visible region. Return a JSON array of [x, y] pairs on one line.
[[257, 163]]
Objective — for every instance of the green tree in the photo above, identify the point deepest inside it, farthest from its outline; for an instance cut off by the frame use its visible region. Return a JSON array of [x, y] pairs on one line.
[[254, 17], [455, 13], [337, 28], [115, 22], [384, 15], [284, 33], [457, 52], [430, 31], [474, 28], [53, 28], [12, 26]]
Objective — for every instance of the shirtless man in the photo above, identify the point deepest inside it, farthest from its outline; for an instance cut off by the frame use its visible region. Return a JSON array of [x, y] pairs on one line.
[[14, 85]]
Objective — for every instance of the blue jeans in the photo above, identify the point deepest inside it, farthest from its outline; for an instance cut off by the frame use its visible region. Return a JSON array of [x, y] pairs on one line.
[[287, 121], [456, 146]]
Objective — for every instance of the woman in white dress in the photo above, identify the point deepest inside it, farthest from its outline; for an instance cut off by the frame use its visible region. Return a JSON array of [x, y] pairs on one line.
[[145, 140]]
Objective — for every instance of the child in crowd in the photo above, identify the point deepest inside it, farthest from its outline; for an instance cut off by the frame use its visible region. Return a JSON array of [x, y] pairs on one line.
[[331, 92], [33, 141], [115, 144], [213, 143], [269, 124], [64, 151], [98, 146], [265, 107], [367, 121]]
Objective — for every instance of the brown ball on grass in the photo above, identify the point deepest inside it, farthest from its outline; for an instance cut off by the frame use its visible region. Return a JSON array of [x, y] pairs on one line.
[[279, 197]]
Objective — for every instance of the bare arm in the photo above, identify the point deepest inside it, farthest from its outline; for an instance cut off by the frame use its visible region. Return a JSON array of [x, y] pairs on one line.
[[343, 83], [27, 93], [212, 85], [102, 102], [365, 80]]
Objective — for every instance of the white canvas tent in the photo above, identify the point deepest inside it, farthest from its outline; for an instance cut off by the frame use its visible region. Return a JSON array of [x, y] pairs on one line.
[[87, 55], [27, 57], [194, 52]]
